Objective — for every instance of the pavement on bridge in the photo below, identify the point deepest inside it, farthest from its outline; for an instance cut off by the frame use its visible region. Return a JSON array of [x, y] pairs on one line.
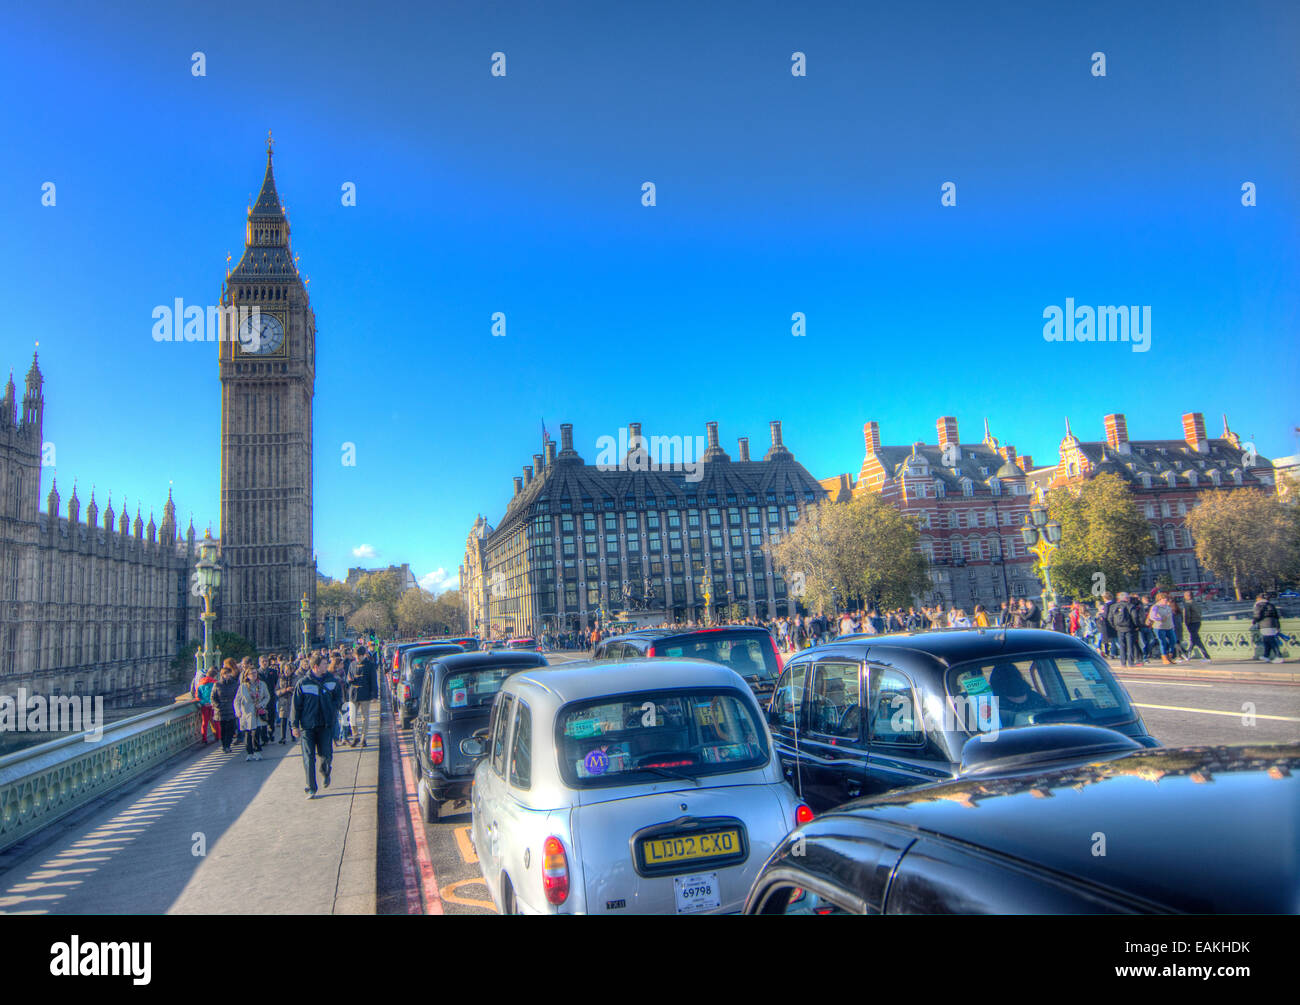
[[209, 833]]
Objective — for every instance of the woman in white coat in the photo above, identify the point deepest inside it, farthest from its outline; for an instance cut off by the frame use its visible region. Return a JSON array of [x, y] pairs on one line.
[[250, 702]]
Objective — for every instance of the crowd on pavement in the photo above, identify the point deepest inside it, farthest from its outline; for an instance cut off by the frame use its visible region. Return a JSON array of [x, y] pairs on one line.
[[1127, 627], [321, 698]]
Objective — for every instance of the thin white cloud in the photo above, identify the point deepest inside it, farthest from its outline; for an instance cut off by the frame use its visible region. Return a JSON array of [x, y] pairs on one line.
[[439, 580], [364, 551]]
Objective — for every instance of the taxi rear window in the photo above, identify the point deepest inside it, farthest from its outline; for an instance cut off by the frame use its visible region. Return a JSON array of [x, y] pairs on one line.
[[477, 687], [750, 654], [642, 737]]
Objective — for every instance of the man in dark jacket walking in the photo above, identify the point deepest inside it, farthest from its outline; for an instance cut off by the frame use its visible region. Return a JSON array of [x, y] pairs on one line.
[[1192, 619], [314, 713]]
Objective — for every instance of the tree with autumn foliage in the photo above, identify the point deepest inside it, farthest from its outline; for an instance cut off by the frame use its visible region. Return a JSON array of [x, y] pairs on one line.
[[1104, 538], [865, 549], [1247, 536]]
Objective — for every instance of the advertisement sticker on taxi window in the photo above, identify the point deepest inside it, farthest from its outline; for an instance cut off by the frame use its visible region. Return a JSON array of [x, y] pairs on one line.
[[596, 762], [976, 683], [1089, 671], [581, 728]]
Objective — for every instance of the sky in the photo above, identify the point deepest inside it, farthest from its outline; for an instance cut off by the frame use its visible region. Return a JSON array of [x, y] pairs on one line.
[[522, 194]]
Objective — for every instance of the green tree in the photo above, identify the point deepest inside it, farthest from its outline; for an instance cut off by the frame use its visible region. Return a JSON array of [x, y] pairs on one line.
[[1104, 538], [865, 549], [417, 613], [371, 616], [383, 588], [1248, 536], [229, 643]]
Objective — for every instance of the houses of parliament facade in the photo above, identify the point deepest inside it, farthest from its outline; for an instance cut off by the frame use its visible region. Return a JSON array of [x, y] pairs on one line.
[[100, 604]]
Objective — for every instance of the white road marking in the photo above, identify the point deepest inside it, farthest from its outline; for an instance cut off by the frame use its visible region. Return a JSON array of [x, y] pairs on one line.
[[1212, 711], [1163, 683]]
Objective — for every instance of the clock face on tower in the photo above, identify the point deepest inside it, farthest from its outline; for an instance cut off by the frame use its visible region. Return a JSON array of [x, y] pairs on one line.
[[261, 335]]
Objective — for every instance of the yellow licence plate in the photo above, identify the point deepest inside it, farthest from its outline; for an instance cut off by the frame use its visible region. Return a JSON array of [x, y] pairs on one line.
[[689, 847]]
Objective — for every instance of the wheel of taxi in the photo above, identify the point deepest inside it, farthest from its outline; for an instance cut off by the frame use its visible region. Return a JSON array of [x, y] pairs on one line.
[[509, 905], [429, 807]]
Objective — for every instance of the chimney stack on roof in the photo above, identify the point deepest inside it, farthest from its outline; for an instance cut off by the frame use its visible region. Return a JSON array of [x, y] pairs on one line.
[[1117, 432], [778, 450], [947, 427], [1194, 432], [714, 451], [744, 448], [871, 434]]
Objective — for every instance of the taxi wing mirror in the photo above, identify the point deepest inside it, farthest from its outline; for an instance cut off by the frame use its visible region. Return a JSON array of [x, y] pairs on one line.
[[473, 746]]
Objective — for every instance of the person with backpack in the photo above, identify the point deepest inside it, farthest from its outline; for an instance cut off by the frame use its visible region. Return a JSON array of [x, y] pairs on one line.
[[1160, 618], [1267, 619], [203, 692], [1121, 620]]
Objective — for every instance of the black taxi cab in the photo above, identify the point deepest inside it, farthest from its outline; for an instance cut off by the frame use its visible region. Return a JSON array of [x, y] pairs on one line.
[[868, 714]]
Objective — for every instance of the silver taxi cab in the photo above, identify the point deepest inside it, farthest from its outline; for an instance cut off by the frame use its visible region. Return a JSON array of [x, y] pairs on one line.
[[649, 787]]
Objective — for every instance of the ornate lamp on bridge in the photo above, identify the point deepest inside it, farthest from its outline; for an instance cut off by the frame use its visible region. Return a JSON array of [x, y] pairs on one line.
[[706, 587], [1041, 536], [306, 621], [209, 573]]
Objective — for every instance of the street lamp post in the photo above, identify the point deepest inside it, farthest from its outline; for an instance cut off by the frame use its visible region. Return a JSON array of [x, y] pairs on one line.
[[1041, 536], [209, 582], [706, 586], [306, 618]]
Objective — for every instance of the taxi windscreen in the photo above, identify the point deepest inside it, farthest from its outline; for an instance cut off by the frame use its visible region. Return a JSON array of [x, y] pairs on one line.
[[1032, 690], [638, 738], [750, 654], [477, 687]]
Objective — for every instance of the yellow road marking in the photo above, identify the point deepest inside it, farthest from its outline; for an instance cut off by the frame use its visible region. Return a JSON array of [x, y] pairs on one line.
[[1212, 711], [452, 898], [466, 847]]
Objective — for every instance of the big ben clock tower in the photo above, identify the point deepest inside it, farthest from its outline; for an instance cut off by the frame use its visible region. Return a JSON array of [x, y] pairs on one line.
[[268, 373]]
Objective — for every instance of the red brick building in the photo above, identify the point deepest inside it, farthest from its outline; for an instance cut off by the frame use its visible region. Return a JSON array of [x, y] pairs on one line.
[[969, 499], [1168, 478]]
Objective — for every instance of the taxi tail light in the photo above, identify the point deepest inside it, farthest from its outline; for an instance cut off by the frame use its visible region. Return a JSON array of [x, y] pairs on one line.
[[406, 692], [435, 748], [555, 871], [650, 652], [803, 813]]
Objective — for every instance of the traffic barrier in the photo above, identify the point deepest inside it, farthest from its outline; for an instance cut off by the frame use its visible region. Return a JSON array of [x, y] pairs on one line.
[[1238, 639], [44, 783]]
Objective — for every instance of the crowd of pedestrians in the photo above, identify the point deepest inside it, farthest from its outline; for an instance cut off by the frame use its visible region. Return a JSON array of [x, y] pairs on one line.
[[319, 698], [1127, 627]]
